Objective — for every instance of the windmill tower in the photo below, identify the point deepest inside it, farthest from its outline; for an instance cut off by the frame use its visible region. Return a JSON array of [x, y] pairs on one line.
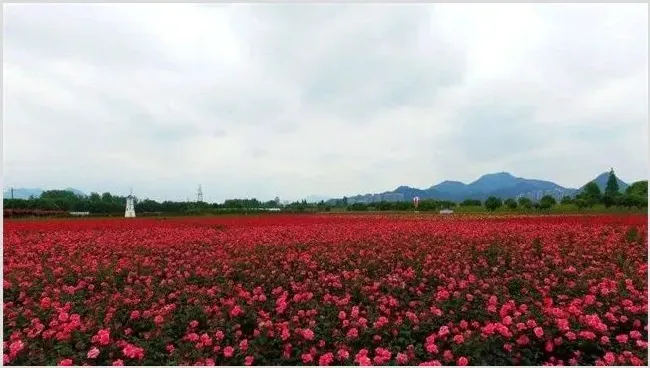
[[199, 195], [130, 205]]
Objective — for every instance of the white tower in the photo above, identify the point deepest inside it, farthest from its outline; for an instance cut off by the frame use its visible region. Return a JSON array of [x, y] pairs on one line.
[[199, 194], [130, 206]]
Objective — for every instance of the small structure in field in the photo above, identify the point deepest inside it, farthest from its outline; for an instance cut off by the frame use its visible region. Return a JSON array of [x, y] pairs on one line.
[[79, 213], [446, 212], [130, 206]]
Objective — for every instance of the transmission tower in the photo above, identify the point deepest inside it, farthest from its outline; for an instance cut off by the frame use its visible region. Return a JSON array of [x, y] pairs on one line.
[[199, 194]]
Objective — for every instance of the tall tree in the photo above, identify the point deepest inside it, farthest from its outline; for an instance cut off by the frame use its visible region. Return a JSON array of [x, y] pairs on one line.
[[612, 185]]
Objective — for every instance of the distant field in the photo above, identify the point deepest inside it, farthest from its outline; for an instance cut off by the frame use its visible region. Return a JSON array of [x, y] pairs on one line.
[[330, 289]]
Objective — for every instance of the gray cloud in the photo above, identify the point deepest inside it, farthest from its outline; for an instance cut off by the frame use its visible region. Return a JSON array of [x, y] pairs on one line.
[[290, 100]]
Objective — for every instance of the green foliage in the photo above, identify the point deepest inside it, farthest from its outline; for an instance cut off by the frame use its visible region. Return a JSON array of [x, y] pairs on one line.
[[567, 200], [510, 203], [611, 189], [639, 188], [547, 202], [525, 203], [471, 203], [590, 194], [493, 203]]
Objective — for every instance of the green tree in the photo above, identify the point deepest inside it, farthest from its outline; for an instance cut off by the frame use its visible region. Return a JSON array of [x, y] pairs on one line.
[[612, 185], [612, 194], [566, 200], [107, 197], [510, 203], [95, 197], [591, 194], [493, 203], [525, 202], [470, 202], [547, 202], [638, 188], [636, 195]]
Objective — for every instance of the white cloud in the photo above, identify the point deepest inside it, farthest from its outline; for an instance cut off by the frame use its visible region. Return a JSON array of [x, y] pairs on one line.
[[290, 100]]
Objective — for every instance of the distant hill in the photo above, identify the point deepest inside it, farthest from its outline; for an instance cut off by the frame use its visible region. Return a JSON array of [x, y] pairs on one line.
[[25, 193], [502, 184], [601, 181]]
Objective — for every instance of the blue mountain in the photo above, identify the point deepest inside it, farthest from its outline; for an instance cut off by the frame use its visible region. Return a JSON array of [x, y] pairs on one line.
[[601, 181], [502, 184]]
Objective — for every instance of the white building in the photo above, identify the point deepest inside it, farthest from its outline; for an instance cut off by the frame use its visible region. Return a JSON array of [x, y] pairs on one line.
[[130, 206]]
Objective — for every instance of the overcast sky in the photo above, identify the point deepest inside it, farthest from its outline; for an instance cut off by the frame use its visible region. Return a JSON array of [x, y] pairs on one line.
[[294, 100]]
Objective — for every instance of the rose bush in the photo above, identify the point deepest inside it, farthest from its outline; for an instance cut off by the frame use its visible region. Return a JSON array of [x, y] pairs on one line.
[[327, 290]]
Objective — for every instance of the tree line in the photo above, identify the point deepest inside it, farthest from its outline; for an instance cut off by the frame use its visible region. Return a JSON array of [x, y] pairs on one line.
[[61, 201]]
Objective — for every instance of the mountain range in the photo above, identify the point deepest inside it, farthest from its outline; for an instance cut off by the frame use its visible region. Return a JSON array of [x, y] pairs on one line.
[[502, 185]]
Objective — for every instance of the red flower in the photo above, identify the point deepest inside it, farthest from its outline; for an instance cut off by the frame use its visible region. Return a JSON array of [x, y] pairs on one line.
[[228, 351]]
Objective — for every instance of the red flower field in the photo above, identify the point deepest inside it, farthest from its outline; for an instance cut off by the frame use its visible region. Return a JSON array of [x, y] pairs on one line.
[[327, 290]]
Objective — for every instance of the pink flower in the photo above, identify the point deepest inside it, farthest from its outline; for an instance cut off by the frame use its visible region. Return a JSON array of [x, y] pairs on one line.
[[353, 333], [65, 362], [104, 337], [326, 359], [444, 330], [15, 348], [158, 320], [133, 352], [135, 314], [63, 316], [342, 354], [306, 358], [249, 360], [548, 346], [243, 345], [236, 311], [228, 351], [93, 353], [448, 355], [118, 362], [622, 339], [539, 332], [402, 358], [308, 334], [458, 339], [431, 348], [462, 361], [609, 358]]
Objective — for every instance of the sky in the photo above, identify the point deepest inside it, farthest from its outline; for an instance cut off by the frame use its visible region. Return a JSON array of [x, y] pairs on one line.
[[266, 100]]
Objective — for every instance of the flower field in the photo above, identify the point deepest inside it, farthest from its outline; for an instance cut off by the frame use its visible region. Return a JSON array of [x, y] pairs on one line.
[[327, 290]]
